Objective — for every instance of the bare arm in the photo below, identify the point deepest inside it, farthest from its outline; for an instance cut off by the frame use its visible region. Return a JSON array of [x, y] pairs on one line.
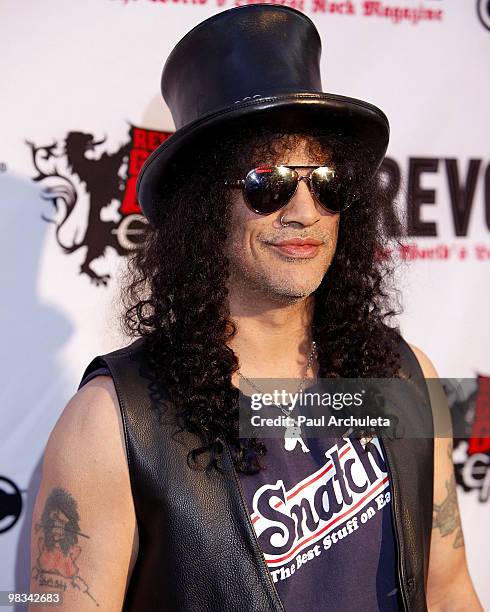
[[84, 536], [449, 586]]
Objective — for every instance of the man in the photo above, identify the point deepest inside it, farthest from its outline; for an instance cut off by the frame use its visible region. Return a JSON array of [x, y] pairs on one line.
[[260, 262]]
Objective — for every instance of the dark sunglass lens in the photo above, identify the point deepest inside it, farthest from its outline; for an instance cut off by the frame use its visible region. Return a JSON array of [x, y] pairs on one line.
[[326, 187], [268, 188]]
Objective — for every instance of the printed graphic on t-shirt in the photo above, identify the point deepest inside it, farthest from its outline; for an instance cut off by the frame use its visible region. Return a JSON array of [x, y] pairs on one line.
[[295, 525]]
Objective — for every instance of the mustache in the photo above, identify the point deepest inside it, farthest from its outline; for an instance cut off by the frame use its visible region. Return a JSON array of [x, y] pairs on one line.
[[274, 238]]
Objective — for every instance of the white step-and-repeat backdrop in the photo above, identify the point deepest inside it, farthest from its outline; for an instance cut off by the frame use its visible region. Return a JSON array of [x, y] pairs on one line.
[[81, 110]]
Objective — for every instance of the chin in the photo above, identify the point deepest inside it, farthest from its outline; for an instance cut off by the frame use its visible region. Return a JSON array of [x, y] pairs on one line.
[[287, 288]]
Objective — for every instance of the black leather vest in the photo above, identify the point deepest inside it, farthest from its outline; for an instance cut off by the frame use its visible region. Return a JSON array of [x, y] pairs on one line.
[[197, 547]]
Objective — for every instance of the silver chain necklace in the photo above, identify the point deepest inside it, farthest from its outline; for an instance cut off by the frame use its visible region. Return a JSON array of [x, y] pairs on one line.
[[284, 410]]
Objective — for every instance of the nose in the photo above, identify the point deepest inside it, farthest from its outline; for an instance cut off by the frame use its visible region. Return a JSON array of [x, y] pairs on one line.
[[302, 209]]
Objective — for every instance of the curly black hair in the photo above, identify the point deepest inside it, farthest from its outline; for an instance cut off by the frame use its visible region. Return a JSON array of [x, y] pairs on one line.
[[175, 288]]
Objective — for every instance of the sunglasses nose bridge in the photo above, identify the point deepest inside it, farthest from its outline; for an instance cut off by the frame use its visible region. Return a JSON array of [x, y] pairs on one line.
[[299, 178], [307, 179]]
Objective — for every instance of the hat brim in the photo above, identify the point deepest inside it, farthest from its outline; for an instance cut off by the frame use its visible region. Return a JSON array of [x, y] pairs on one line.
[[364, 122]]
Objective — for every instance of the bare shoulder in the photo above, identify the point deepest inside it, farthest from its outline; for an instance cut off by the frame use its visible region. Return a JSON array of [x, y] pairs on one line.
[[84, 536], [89, 431], [91, 417], [426, 364], [438, 400]]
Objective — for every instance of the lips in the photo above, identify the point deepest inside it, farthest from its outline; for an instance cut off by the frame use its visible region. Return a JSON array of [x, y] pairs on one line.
[[299, 242], [301, 248]]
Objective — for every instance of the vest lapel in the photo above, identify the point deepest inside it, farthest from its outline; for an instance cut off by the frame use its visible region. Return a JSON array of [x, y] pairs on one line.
[[248, 532]]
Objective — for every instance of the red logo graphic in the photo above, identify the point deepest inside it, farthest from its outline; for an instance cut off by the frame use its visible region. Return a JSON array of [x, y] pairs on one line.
[[93, 195], [480, 434]]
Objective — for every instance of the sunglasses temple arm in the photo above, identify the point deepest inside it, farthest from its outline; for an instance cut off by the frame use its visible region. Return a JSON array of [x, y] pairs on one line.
[[238, 183]]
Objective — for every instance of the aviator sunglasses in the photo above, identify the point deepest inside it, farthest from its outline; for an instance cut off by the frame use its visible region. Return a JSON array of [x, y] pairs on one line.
[[267, 189]]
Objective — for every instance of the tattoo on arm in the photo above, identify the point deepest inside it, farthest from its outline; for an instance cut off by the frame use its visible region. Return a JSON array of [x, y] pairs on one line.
[[58, 549], [445, 516]]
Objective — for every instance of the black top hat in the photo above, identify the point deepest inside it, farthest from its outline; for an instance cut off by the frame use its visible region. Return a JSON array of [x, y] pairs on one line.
[[258, 61]]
